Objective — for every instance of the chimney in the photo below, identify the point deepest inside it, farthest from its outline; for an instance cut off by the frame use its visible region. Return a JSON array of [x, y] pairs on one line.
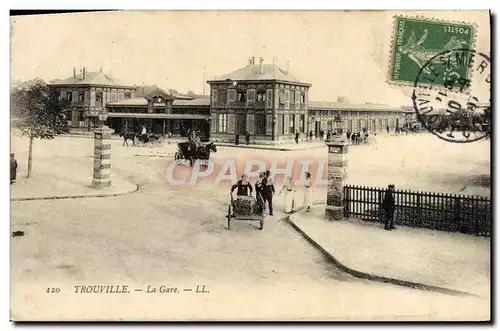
[[250, 61], [74, 72], [261, 62], [253, 60], [287, 67], [83, 72]]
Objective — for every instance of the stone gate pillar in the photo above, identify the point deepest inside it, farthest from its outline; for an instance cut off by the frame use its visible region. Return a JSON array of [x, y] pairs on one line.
[[102, 158], [337, 176]]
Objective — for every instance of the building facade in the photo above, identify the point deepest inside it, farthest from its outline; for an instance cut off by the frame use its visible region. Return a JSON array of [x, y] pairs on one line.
[[261, 99], [88, 94], [161, 113], [351, 117]]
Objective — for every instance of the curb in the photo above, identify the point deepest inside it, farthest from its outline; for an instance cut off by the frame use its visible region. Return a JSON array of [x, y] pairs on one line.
[[372, 277], [78, 196]]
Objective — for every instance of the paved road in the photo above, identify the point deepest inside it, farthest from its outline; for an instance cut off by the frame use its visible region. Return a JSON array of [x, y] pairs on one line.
[[178, 235]]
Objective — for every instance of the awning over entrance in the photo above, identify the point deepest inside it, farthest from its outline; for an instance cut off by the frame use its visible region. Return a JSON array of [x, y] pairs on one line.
[[159, 116]]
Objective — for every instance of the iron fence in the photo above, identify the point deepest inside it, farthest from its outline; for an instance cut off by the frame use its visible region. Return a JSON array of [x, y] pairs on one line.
[[436, 211]]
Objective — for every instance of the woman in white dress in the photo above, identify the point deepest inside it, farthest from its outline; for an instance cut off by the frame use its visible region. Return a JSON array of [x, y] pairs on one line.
[[308, 192], [289, 190]]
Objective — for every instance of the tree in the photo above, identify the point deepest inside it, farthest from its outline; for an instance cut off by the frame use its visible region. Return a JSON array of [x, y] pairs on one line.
[[40, 113]]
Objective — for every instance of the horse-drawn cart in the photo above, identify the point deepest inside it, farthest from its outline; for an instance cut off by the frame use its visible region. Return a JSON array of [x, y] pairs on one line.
[[191, 151], [246, 208]]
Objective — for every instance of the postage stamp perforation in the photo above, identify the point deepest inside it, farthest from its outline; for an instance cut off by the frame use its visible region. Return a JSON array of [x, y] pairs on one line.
[[392, 49]]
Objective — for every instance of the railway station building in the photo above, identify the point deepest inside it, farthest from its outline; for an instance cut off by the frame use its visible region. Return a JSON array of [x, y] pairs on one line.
[[262, 99]]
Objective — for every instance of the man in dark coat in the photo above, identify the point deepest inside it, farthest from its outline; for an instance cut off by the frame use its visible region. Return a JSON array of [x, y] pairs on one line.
[[247, 137], [237, 139], [297, 137], [13, 168], [311, 135], [268, 190], [244, 187], [389, 206]]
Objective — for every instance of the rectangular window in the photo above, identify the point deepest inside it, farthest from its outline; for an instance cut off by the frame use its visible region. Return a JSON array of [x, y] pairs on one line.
[[231, 96], [214, 96], [261, 96], [282, 97], [222, 123], [292, 123], [302, 123], [281, 124], [98, 99], [87, 96], [251, 96], [241, 96], [81, 96], [269, 99], [292, 97], [121, 96], [222, 97], [260, 124], [75, 96], [114, 97], [297, 98], [81, 116], [68, 96], [128, 95], [302, 98]]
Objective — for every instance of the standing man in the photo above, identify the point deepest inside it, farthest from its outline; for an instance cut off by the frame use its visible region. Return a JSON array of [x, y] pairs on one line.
[[289, 190], [247, 137], [321, 134], [389, 206], [308, 193], [268, 188], [297, 137], [13, 168], [237, 139], [310, 135], [387, 128]]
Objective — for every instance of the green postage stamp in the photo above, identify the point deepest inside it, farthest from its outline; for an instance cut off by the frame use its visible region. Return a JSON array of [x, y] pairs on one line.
[[418, 42]]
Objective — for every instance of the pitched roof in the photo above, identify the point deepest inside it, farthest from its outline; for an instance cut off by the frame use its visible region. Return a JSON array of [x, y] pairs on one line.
[[141, 101], [192, 102], [253, 72], [312, 105], [91, 78], [137, 101]]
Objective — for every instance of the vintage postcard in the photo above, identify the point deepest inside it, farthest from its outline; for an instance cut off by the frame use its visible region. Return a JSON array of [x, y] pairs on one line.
[[251, 166]]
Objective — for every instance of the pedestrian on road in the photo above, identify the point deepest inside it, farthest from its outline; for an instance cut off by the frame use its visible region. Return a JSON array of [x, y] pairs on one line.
[[247, 137], [389, 206], [387, 128], [297, 137], [308, 192], [268, 187], [237, 139], [321, 134], [289, 191], [259, 188], [13, 168], [311, 135]]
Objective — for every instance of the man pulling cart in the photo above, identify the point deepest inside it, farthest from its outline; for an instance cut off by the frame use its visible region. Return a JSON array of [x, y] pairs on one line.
[[245, 206]]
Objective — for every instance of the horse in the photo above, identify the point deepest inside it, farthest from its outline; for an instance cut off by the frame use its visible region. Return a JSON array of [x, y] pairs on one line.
[[128, 136]]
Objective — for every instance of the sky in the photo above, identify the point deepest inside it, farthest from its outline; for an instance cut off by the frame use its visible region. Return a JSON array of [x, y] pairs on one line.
[[341, 53]]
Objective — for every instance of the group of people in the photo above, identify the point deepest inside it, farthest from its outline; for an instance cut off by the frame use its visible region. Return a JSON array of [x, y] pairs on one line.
[[247, 138], [265, 190]]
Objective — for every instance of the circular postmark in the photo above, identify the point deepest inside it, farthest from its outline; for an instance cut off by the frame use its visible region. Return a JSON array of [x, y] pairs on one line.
[[451, 95]]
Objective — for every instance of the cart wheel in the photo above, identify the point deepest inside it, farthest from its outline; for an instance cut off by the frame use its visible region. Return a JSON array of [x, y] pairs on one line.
[[229, 217]]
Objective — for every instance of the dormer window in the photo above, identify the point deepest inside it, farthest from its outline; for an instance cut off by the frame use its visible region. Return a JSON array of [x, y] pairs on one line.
[[158, 100]]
